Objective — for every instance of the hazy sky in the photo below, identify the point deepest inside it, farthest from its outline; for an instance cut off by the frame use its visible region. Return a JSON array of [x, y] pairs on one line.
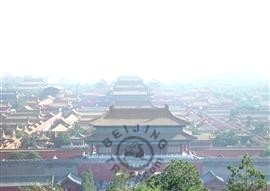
[[166, 40]]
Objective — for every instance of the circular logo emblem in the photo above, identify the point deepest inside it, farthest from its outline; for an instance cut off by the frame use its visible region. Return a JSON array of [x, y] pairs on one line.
[[134, 152]]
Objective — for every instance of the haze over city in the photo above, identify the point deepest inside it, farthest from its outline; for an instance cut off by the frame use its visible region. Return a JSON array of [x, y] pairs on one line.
[[134, 95], [169, 41]]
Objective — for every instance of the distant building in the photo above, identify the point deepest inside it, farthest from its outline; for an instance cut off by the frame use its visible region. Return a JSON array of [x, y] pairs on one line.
[[77, 141], [130, 91], [54, 91], [57, 99], [5, 107], [14, 183], [203, 140], [70, 182], [11, 96], [32, 101], [21, 118], [18, 173], [94, 99], [31, 85]]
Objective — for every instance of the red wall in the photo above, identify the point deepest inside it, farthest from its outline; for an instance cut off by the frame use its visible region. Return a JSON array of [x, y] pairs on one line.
[[104, 172], [9, 188], [214, 152], [48, 154], [229, 152]]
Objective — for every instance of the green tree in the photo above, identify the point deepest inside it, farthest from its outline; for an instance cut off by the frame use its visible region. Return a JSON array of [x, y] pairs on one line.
[[88, 182], [33, 155], [178, 175], [267, 151], [226, 138], [260, 129], [28, 141], [144, 187], [24, 155], [245, 177], [20, 134], [37, 187], [77, 130], [197, 188], [62, 139], [120, 182]]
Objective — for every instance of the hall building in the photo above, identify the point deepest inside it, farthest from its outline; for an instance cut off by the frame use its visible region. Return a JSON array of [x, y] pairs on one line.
[[161, 124], [130, 92]]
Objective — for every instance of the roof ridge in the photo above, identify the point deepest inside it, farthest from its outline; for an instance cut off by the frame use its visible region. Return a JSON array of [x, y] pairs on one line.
[[175, 117]]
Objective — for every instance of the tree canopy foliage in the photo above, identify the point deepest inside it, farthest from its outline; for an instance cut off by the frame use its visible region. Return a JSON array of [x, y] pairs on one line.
[[28, 141], [120, 182], [24, 155], [267, 151], [144, 187], [62, 139], [178, 175], [88, 182], [245, 177], [225, 139], [37, 187]]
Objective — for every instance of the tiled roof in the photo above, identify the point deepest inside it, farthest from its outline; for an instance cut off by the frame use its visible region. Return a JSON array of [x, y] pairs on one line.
[[72, 178], [130, 92], [46, 126], [180, 136], [133, 104], [71, 118], [207, 127], [10, 181], [211, 176], [47, 101], [28, 108], [204, 137], [142, 116], [183, 136], [60, 128]]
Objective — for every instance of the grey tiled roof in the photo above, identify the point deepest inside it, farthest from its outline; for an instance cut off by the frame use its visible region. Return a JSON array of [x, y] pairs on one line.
[[211, 176], [72, 178], [142, 116], [6, 181]]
